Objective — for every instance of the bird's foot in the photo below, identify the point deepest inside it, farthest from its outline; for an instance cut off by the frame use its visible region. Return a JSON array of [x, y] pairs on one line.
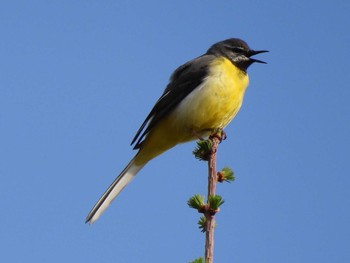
[[220, 134]]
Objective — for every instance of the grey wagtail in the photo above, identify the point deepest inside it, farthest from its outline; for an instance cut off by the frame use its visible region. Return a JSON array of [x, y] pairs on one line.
[[203, 96]]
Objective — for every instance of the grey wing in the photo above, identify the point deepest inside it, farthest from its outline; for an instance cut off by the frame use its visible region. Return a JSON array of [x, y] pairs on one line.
[[182, 82]]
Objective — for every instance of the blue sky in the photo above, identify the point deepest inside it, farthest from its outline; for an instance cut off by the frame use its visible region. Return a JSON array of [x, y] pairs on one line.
[[79, 77]]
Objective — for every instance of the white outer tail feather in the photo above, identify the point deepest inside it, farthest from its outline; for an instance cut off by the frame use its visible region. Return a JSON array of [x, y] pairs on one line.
[[113, 190]]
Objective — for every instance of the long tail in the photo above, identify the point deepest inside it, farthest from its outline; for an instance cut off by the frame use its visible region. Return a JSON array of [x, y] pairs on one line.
[[113, 190]]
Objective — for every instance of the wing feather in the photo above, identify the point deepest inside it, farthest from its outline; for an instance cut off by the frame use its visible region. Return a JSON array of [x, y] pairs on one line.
[[182, 82]]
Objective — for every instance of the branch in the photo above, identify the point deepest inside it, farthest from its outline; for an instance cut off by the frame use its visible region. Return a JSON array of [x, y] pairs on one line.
[[210, 218], [206, 151]]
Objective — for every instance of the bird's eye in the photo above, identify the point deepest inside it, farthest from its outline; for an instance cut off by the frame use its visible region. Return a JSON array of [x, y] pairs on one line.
[[238, 50]]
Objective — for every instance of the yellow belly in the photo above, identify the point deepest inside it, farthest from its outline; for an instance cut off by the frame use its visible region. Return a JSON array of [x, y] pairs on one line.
[[216, 102], [210, 106]]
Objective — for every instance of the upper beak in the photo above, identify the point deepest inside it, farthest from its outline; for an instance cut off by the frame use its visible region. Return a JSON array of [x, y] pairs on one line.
[[255, 52]]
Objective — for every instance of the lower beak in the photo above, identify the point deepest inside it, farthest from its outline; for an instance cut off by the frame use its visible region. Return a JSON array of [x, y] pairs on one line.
[[255, 52]]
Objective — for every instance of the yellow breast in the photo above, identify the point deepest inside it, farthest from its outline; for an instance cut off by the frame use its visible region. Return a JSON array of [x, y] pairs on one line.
[[210, 106], [217, 100]]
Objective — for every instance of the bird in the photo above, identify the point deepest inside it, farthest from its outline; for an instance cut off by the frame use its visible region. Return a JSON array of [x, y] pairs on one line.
[[202, 96]]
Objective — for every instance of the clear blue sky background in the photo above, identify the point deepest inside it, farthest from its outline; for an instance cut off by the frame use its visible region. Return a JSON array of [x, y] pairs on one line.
[[79, 77]]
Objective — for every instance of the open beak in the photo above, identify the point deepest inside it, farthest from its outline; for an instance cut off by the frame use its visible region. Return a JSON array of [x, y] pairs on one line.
[[255, 52]]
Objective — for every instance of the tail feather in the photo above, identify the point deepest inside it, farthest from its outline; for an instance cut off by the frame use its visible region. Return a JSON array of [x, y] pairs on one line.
[[113, 190]]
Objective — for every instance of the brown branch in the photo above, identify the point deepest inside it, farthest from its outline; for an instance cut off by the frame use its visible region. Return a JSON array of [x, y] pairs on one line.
[[210, 217]]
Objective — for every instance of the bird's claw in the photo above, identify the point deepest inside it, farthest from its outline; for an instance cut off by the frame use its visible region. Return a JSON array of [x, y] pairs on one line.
[[220, 135]]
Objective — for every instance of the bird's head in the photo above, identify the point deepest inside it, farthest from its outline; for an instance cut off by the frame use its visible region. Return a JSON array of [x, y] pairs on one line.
[[237, 51]]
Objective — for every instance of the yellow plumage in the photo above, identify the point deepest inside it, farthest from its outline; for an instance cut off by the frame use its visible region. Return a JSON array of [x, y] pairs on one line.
[[203, 95], [210, 106]]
